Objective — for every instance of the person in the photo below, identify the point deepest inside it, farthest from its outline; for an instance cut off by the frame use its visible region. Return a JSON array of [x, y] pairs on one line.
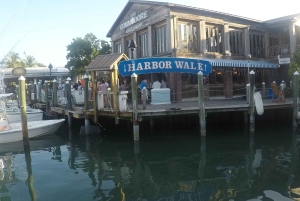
[[143, 84], [156, 85], [163, 84], [103, 88], [63, 86], [123, 86], [79, 86], [98, 86]]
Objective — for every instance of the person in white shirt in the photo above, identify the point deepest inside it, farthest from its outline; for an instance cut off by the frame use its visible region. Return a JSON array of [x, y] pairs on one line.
[[156, 85]]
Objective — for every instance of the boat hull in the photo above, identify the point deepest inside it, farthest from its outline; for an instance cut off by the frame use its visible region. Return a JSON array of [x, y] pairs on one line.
[[35, 129], [15, 117]]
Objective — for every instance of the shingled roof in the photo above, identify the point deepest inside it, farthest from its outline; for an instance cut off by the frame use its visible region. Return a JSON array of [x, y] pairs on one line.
[[106, 62]]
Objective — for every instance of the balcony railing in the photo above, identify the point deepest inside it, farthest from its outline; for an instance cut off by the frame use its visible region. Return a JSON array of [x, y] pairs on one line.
[[281, 50]]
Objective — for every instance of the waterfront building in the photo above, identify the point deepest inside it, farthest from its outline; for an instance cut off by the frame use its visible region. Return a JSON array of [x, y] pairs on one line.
[[234, 45]]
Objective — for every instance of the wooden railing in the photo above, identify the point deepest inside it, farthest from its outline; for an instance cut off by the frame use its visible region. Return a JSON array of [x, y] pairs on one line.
[[281, 50]]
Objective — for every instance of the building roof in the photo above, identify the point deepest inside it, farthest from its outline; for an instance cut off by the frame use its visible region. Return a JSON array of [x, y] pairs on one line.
[[131, 2], [39, 72], [106, 62]]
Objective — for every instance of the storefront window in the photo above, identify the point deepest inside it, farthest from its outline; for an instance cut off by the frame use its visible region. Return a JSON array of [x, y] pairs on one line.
[[235, 40], [257, 45], [214, 41], [118, 48], [143, 44], [160, 40], [187, 38]]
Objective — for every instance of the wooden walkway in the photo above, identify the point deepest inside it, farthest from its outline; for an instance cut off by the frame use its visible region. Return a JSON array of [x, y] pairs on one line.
[[181, 108]]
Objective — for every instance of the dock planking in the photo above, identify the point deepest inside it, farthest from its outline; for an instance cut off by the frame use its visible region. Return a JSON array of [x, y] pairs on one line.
[[180, 108]]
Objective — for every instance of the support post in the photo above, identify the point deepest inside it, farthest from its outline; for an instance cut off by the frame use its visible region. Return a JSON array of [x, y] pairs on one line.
[[69, 93], [247, 92], [251, 101], [115, 88], [46, 95], [26, 91], [40, 91], [54, 96], [134, 107], [23, 107], [69, 120], [144, 97], [34, 92], [201, 104], [17, 91], [263, 91], [94, 88], [295, 98], [86, 103], [66, 90]]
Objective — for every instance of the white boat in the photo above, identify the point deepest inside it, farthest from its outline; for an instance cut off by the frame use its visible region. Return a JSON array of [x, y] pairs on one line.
[[12, 132]]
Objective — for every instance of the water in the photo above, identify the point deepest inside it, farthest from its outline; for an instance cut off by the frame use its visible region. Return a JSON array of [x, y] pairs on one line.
[[168, 163]]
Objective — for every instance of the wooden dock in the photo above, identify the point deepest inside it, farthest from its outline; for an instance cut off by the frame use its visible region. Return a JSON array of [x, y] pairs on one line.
[[181, 108]]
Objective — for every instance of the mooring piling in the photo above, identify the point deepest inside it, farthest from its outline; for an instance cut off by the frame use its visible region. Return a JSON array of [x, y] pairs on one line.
[[134, 107], [202, 120]]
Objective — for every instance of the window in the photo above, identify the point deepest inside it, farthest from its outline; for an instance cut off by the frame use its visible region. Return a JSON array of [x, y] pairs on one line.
[[118, 47], [187, 38], [143, 44], [235, 41], [127, 50], [160, 39], [257, 45], [214, 41]]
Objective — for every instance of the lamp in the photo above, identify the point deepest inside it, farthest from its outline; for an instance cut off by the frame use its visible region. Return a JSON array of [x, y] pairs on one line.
[[50, 68], [132, 45]]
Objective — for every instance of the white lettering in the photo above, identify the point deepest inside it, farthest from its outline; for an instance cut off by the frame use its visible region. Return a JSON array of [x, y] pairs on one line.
[[131, 67], [154, 65], [147, 66], [192, 66], [186, 65], [140, 67], [161, 64], [179, 64], [200, 66], [134, 20], [168, 65]]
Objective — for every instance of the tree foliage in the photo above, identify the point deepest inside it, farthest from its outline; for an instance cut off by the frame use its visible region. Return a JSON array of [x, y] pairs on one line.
[[13, 60], [82, 51], [295, 63]]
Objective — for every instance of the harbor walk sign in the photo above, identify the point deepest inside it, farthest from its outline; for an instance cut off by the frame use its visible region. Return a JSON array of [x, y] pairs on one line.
[[163, 65]]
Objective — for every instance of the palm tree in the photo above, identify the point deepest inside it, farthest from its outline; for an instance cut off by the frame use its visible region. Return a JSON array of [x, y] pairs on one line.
[[13, 60], [29, 60]]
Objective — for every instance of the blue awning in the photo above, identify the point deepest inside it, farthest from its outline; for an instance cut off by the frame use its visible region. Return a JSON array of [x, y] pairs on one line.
[[241, 63]]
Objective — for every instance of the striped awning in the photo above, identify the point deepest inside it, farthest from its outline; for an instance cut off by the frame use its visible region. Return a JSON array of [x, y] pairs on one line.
[[241, 63]]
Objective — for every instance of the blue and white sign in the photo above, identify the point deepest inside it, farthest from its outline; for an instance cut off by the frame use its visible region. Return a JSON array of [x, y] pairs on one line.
[[163, 65]]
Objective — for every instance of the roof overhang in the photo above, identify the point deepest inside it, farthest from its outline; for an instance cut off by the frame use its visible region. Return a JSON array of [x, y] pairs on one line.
[[106, 62]]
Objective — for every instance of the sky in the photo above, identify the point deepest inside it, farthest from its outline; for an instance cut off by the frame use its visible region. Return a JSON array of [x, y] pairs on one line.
[[44, 28]]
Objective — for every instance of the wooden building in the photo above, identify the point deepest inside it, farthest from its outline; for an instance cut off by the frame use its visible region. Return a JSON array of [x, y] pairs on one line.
[[232, 44]]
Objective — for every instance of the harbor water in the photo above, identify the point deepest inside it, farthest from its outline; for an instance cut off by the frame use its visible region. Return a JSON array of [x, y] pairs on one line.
[[168, 163]]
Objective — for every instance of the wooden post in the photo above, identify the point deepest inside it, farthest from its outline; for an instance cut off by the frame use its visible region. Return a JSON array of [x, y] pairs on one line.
[[54, 96], [94, 88], [115, 89], [251, 101], [134, 107], [86, 103], [144, 97], [202, 120], [295, 98], [40, 91], [69, 93], [66, 90], [17, 91], [34, 92], [263, 90], [29, 91], [46, 95], [23, 107], [247, 92], [26, 91]]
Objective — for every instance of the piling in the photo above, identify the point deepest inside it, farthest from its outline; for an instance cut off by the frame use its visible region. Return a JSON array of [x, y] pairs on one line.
[[40, 91], [34, 92], [86, 102], [54, 96], [23, 107], [202, 120], [135, 107], [115, 89], [17, 91], [46, 95], [247, 92], [144, 97], [263, 90], [26, 91], [251, 101], [94, 88], [69, 93], [295, 99]]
